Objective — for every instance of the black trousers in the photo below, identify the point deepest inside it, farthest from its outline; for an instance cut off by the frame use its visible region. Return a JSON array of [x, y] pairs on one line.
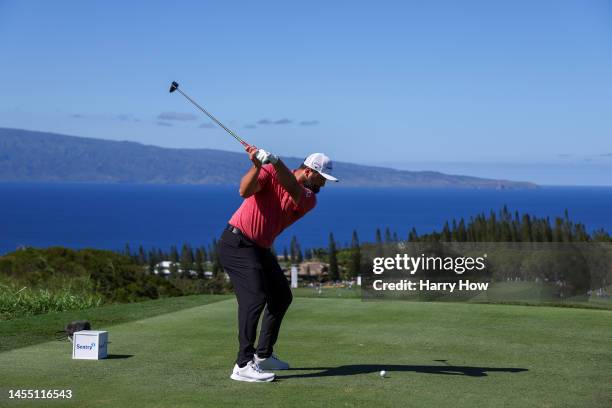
[[258, 282]]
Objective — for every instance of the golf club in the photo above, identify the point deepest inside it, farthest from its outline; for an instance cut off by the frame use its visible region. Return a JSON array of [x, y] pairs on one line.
[[175, 87]]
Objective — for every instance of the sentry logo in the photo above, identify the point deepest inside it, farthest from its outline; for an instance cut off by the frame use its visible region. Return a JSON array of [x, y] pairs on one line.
[[86, 346]]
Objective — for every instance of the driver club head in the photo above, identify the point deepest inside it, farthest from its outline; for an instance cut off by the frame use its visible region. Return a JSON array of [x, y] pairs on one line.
[[175, 86]]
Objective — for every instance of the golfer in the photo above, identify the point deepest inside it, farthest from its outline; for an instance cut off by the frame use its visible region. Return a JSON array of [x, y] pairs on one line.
[[274, 198]]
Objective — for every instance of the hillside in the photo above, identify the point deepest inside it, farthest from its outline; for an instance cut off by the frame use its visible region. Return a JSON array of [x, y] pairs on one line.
[[27, 156]]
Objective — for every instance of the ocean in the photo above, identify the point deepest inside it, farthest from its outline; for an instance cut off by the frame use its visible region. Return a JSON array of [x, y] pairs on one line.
[[107, 216]]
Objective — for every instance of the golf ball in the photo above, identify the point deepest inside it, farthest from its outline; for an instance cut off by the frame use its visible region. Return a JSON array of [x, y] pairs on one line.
[[383, 373]]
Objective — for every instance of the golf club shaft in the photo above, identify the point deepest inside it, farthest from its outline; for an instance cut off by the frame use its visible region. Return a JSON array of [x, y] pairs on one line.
[[245, 144]]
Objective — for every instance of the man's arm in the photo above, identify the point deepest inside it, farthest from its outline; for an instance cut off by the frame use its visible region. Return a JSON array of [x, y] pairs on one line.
[[284, 175], [249, 184], [288, 181]]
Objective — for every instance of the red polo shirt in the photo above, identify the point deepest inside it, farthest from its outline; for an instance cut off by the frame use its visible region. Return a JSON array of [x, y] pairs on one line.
[[265, 214]]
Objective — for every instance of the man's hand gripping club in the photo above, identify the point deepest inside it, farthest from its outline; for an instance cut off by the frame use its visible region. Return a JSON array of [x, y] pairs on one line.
[[249, 185]]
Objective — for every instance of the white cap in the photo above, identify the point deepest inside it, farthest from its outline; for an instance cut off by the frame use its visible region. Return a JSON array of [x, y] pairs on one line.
[[321, 164]]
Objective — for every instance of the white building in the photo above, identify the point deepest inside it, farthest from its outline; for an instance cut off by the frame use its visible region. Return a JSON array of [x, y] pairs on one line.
[[163, 268]]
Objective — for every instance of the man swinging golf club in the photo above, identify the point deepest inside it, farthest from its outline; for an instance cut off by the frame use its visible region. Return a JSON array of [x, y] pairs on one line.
[[275, 197]]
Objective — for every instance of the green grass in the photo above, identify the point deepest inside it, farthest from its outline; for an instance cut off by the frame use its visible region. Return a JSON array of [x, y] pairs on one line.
[[328, 292], [436, 355], [521, 293], [30, 330]]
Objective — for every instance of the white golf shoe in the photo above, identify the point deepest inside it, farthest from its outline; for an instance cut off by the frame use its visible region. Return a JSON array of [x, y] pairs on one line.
[[271, 363], [251, 373]]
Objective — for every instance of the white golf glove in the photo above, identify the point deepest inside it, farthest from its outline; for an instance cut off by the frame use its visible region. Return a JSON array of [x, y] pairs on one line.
[[265, 157]]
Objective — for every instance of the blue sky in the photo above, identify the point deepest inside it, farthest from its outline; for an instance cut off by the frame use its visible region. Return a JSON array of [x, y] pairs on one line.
[[515, 89]]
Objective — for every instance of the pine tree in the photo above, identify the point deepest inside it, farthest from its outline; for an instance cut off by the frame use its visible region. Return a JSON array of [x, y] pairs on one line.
[[355, 262], [152, 258], [581, 235], [548, 232], [214, 258], [379, 245], [293, 249], [299, 257], [308, 254], [174, 270], [446, 233], [142, 256], [412, 235], [204, 255], [461, 232], [454, 231], [334, 273], [526, 229], [558, 230], [568, 226], [174, 256], [186, 260], [492, 228], [296, 251], [199, 263], [388, 238]]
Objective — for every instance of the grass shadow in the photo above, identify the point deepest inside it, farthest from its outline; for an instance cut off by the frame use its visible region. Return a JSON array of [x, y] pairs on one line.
[[118, 356], [357, 369]]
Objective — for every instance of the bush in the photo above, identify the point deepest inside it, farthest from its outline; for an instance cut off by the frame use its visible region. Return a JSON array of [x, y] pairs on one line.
[[106, 274], [55, 279]]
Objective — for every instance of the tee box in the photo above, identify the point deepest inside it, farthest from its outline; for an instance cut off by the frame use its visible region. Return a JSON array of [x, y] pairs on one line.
[[89, 344]]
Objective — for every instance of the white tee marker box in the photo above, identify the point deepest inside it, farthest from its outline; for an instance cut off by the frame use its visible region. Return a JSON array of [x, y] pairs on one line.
[[89, 345]]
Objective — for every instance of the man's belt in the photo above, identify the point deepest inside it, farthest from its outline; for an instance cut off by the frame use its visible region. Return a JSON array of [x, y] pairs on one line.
[[234, 230], [237, 231]]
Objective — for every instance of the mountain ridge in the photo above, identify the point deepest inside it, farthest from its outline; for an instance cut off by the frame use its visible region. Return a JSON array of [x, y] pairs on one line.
[[28, 156]]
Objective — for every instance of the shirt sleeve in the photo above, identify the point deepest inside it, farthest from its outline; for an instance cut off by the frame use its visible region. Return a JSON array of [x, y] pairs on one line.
[[265, 175]]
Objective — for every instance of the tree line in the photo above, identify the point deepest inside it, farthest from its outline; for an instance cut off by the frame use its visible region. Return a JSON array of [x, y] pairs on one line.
[[345, 263], [130, 275], [504, 226], [508, 227], [199, 259]]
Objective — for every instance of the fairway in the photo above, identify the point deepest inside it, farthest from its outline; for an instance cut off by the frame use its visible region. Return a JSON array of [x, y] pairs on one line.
[[435, 354]]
